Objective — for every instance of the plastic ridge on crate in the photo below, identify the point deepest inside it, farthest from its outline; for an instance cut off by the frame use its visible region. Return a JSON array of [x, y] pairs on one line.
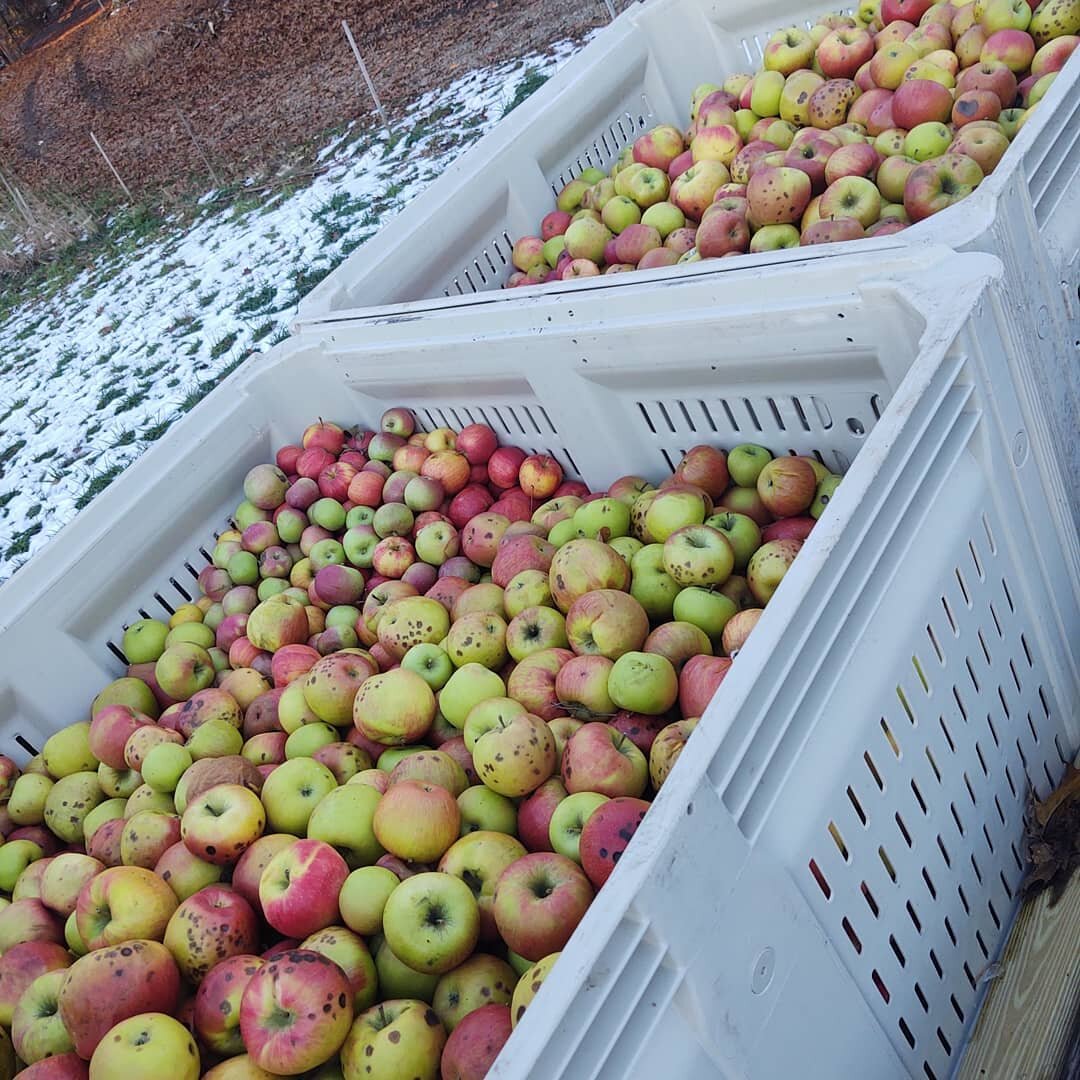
[[836, 857], [455, 239]]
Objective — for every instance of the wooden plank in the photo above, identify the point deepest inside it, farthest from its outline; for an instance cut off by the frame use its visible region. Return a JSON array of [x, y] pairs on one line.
[[1029, 1018]]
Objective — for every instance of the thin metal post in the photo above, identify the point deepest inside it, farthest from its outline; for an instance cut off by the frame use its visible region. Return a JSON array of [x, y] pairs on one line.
[[195, 143], [101, 150], [364, 71], [610, 9]]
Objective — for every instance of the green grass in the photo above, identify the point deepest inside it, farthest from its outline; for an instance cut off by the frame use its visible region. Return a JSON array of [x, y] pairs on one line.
[[261, 331], [20, 545], [46, 455], [256, 300], [126, 439], [530, 82], [10, 452], [6, 498], [108, 397], [155, 431], [204, 300], [97, 485], [15, 407], [223, 345], [66, 359], [131, 401]]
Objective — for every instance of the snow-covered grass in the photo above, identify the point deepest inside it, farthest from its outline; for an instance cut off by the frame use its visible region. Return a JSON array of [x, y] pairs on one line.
[[95, 369]]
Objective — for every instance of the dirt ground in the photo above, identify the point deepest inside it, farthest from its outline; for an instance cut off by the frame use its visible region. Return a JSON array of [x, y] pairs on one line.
[[254, 80]]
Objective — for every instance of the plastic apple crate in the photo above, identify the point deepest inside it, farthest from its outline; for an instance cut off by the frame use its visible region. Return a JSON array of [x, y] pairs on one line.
[[455, 239], [836, 856]]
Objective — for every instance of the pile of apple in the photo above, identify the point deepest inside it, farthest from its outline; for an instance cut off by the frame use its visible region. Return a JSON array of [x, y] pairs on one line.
[[341, 814], [859, 126]]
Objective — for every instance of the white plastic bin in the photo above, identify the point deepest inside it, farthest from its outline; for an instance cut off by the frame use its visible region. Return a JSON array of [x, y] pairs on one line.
[[455, 238], [836, 857]]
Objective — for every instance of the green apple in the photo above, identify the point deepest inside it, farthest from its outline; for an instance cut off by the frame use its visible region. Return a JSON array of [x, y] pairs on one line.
[[15, 857], [398, 1034], [431, 663], [27, 803], [247, 514], [825, 490], [745, 119], [243, 568], [568, 819], [602, 519], [343, 819], [468, 686], [626, 546], [664, 217], [363, 898], [292, 791], [394, 754], [929, 140], [194, 633], [484, 810], [765, 93], [105, 811], [553, 248], [215, 738], [620, 213], [359, 515], [68, 751], [144, 641], [329, 514], [562, 532], [529, 588], [267, 587], [745, 461], [69, 801], [593, 175], [342, 615], [742, 532], [432, 922], [705, 609], [651, 585], [164, 765], [311, 737], [644, 682]]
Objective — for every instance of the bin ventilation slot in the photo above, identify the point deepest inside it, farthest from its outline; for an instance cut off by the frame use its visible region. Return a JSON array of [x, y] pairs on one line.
[[620, 132], [947, 884], [488, 268]]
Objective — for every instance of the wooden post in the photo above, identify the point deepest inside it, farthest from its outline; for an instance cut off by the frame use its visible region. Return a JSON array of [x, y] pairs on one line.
[[101, 150], [195, 143], [367, 78]]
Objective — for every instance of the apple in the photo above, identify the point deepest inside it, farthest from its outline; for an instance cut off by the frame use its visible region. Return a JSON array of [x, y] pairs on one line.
[[529, 984], [481, 981], [830, 103], [651, 585], [399, 1037], [600, 759], [292, 791], [147, 835], [185, 873], [788, 50], [666, 749], [605, 835], [936, 185], [478, 859], [892, 177], [768, 567], [535, 629], [144, 1047], [247, 872], [142, 977], [296, 1012], [698, 682], [37, 1032], [432, 922], [693, 191], [643, 682], [1015, 48], [417, 821], [568, 819], [469, 685], [984, 146], [606, 622], [539, 900], [222, 823], [515, 755], [842, 52], [216, 1015], [299, 887], [212, 925], [122, 903], [778, 196], [64, 878], [583, 566], [787, 486], [394, 708]]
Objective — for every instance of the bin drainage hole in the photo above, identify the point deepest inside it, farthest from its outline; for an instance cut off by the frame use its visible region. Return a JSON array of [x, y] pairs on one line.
[[764, 968], [856, 426]]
